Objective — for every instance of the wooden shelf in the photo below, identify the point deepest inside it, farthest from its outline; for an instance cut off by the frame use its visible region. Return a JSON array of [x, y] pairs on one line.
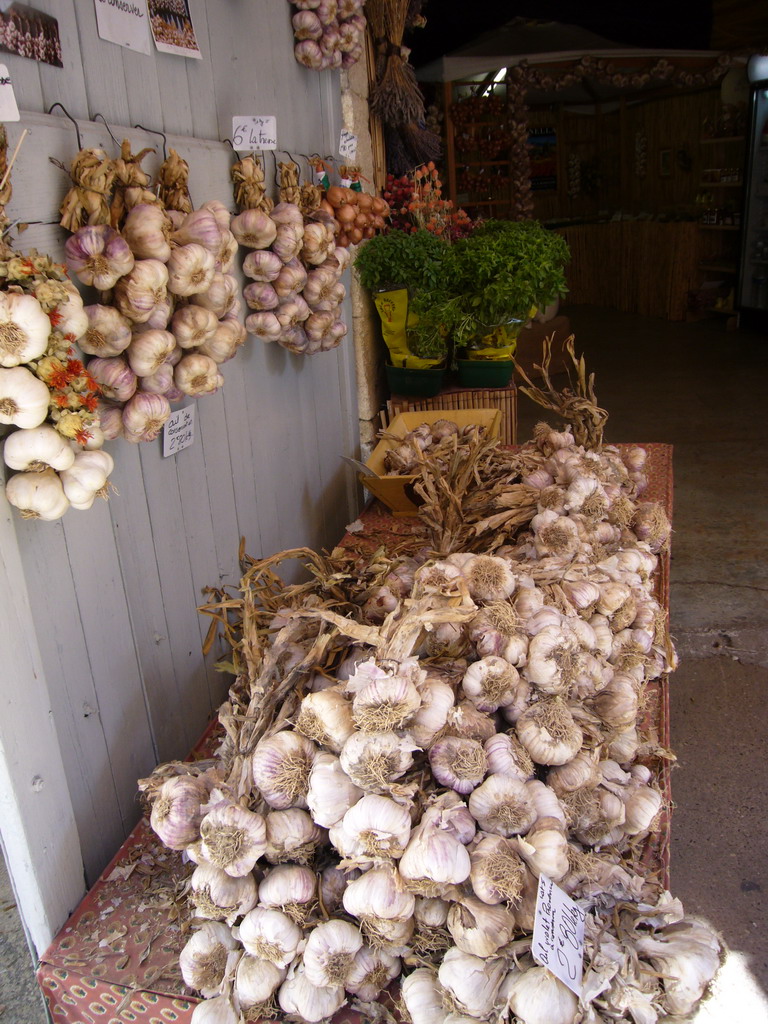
[[719, 227], [720, 184]]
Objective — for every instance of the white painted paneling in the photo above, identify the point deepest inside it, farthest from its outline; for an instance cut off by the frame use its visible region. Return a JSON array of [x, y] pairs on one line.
[[113, 591]]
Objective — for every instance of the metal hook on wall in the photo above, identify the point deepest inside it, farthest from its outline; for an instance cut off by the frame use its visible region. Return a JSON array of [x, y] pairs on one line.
[[96, 117], [154, 131], [74, 122]]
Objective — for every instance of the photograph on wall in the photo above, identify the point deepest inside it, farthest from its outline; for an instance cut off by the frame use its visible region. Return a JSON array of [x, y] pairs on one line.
[[125, 24], [172, 27], [30, 33]]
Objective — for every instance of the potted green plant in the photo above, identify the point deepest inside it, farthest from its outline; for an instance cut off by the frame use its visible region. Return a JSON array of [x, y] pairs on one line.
[[406, 275], [494, 281]]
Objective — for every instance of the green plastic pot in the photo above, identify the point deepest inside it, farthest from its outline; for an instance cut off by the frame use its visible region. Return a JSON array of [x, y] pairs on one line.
[[404, 380], [485, 373]]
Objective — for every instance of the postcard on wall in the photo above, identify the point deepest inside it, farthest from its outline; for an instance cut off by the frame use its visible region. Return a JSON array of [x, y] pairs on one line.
[[125, 22], [30, 33], [172, 28]]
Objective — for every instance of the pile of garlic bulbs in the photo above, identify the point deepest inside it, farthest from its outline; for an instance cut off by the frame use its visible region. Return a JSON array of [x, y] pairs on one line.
[[328, 33], [412, 741], [47, 398], [295, 268], [167, 315]]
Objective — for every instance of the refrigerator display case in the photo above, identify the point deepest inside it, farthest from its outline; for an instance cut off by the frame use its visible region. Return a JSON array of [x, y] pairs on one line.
[[753, 280]]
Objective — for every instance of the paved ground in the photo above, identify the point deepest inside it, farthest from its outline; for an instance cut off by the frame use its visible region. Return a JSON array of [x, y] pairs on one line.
[[704, 390]]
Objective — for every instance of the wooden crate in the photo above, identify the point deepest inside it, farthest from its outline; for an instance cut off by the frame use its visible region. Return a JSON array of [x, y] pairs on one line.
[[461, 399], [396, 491]]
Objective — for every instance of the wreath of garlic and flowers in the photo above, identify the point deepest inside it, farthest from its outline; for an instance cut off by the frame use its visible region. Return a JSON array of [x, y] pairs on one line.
[[48, 399]]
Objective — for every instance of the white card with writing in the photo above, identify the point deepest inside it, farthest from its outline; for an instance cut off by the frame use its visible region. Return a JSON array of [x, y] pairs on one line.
[[179, 430], [254, 132], [558, 934], [9, 110], [124, 22], [347, 145]]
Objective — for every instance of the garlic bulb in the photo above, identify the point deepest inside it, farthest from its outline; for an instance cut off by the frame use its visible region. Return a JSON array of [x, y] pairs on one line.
[[255, 981], [290, 280], [262, 265], [281, 764], [491, 683], [98, 256], [197, 374], [479, 928], [191, 326], [506, 755], [292, 836], [376, 826], [422, 995], [24, 328], [219, 896], [254, 229], [147, 231], [270, 935], [86, 477], [371, 971], [580, 773], [545, 849], [190, 270], [24, 397], [233, 838], [260, 295], [115, 378], [176, 810], [330, 951], [379, 894], [225, 341], [137, 293], [687, 954], [433, 858], [384, 704], [158, 383], [264, 325], [37, 448], [536, 996], [144, 416], [436, 701], [203, 960], [548, 732], [297, 995], [288, 887], [220, 296], [149, 350], [108, 332], [326, 718], [218, 1010], [331, 791], [37, 495], [471, 981], [498, 872], [374, 760], [200, 227], [458, 763], [642, 804], [489, 577], [502, 805]]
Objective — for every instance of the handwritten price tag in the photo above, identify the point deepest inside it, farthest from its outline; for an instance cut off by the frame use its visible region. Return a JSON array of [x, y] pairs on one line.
[[257, 132], [179, 430], [558, 934], [9, 110], [347, 145]]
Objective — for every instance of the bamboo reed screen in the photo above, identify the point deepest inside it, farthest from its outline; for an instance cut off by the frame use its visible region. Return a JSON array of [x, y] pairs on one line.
[[504, 399]]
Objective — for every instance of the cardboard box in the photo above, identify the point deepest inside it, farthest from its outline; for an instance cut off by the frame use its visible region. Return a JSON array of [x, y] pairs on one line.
[[396, 491]]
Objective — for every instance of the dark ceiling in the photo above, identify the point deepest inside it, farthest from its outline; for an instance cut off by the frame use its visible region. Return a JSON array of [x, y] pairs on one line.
[[652, 24]]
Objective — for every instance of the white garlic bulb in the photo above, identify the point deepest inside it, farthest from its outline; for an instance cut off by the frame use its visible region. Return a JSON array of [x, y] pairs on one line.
[[292, 836], [505, 755], [37, 495], [108, 332], [297, 995], [489, 578], [203, 960], [331, 792], [437, 699], [326, 718], [192, 325], [548, 732], [376, 826], [480, 928], [536, 996], [177, 810], [197, 374], [379, 894], [281, 764], [218, 896], [24, 397], [458, 762], [36, 448], [233, 838], [255, 981], [502, 805], [498, 872], [270, 935], [491, 683], [374, 760], [434, 857], [330, 951], [422, 995], [218, 1010], [371, 971], [472, 981], [288, 887], [190, 270]]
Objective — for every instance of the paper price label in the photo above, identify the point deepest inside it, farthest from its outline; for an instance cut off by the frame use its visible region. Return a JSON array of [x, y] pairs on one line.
[[179, 430], [347, 145], [254, 132], [558, 934], [9, 110]]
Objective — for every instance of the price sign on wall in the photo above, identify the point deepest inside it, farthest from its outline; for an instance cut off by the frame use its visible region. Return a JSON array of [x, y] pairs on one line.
[[347, 145], [9, 110], [179, 430], [558, 934], [254, 132]]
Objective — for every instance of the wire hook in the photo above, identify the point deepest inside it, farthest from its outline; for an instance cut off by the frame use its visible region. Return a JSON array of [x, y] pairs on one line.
[[154, 131], [74, 122], [99, 115]]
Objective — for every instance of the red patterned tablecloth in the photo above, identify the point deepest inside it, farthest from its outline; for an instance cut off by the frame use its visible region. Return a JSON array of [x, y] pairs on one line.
[[115, 961]]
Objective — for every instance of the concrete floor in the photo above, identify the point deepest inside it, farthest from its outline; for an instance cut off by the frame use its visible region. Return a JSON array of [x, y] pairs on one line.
[[698, 388]]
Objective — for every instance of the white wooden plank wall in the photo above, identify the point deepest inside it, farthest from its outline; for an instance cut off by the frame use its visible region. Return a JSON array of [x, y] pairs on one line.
[[114, 590]]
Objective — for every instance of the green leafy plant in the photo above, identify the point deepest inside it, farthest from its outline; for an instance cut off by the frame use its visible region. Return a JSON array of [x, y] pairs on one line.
[[495, 278]]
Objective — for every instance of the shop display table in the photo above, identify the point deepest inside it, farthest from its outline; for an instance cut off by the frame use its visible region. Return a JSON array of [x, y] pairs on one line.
[[116, 959]]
